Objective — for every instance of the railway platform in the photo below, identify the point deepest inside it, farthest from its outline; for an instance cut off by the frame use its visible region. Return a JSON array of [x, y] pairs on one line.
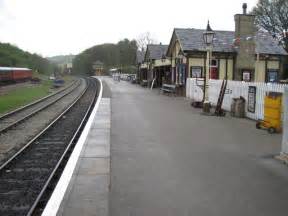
[[168, 159], [88, 192], [83, 188]]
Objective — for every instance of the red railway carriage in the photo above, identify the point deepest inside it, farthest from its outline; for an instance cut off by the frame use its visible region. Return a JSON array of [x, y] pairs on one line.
[[5, 75], [12, 74], [21, 73]]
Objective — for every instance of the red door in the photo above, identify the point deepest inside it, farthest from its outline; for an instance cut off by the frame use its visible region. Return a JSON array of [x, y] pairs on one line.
[[214, 73]]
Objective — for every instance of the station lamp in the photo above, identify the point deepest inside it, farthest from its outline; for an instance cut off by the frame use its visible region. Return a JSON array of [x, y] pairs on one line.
[[208, 36]]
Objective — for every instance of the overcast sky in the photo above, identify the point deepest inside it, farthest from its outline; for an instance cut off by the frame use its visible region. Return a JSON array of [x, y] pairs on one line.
[[56, 27]]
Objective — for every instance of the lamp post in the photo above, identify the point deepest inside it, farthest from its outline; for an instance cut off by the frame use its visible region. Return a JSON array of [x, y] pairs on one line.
[[151, 70], [162, 72], [208, 36]]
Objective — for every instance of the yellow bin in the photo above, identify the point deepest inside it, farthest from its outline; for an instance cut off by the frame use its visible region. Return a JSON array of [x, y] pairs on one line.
[[272, 113]]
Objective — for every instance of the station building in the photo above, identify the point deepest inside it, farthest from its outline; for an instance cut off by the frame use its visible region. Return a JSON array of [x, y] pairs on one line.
[[156, 65], [98, 68], [244, 54]]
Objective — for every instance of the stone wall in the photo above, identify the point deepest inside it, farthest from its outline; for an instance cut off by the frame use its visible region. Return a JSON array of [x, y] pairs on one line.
[[245, 31]]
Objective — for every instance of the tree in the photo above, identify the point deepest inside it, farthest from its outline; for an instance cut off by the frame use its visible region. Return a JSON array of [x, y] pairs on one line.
[[127, 51], [12, 56], [143, 40], [272, 15], [121, 55]]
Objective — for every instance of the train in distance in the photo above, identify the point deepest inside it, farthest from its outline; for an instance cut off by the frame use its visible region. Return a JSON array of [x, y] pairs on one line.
[[15, 74]]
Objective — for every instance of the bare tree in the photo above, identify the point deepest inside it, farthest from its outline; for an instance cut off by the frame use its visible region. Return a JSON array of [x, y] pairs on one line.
[[144, 39], [272, 15]]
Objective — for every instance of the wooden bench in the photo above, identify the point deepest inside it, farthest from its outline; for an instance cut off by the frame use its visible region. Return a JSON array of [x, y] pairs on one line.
[[144, 83], [168, 88]]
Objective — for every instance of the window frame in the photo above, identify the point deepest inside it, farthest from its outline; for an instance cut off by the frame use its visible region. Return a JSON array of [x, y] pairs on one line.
[[272, 71], [196, 67]]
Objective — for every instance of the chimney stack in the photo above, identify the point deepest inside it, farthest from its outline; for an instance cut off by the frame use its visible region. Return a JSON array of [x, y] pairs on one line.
[[245, 32], [244, 6]]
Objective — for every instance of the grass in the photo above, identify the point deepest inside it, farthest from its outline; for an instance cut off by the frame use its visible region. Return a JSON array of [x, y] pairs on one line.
[[24, 95], [68, 78]]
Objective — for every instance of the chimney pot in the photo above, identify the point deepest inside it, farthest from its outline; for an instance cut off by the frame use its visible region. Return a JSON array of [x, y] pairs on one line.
[[244, 6]]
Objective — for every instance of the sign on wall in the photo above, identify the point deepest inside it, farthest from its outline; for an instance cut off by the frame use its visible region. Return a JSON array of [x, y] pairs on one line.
[[251, 99], [246, 76], [196, 72]]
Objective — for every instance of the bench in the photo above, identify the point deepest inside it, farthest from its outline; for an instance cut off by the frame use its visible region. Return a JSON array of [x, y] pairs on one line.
[[144, 83], [168, 88]]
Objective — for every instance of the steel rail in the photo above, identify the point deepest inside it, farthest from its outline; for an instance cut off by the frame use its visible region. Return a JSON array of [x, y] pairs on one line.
[[13, 124], [35, 102], [40, 133], [69, 146]]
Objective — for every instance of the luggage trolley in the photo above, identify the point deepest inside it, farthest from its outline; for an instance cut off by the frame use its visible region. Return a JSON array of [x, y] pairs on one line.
[[272, 113]]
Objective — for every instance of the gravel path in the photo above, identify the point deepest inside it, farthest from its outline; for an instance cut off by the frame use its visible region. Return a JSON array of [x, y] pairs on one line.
[[13, 140]]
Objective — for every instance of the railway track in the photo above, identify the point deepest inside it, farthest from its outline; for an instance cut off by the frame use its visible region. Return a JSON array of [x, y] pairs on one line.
[[16, 136], [25, 177], [11, 119]]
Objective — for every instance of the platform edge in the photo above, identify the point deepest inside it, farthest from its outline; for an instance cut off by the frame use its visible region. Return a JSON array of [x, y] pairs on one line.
[[57, 196]]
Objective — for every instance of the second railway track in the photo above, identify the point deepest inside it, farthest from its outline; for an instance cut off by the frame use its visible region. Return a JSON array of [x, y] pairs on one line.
[[11, 119], [34, 119]]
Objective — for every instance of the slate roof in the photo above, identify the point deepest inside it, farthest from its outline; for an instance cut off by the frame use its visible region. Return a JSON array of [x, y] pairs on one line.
[[140, 56], [192, 40], [266, 44], [157, 51]]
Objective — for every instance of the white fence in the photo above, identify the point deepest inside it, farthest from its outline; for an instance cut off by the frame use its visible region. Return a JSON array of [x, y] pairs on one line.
[[235, 89]]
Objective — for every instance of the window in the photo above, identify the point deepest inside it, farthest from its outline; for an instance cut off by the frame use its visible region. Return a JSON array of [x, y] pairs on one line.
[[214, 63], [195, 71], [272, 75]]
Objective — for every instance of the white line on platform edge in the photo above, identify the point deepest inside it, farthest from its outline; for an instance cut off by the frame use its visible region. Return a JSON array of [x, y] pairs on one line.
[[56, 198]]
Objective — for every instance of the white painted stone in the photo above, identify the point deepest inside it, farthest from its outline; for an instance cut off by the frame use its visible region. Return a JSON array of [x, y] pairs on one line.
[[285, 122]]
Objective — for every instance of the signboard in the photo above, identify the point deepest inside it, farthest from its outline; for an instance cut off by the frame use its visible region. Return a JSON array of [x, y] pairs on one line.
[[246, 76], [196, 72], [251, 99], [228, 91]]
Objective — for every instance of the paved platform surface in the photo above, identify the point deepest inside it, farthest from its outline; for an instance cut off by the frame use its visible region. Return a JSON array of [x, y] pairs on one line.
[[167, 159], [88, 191]]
